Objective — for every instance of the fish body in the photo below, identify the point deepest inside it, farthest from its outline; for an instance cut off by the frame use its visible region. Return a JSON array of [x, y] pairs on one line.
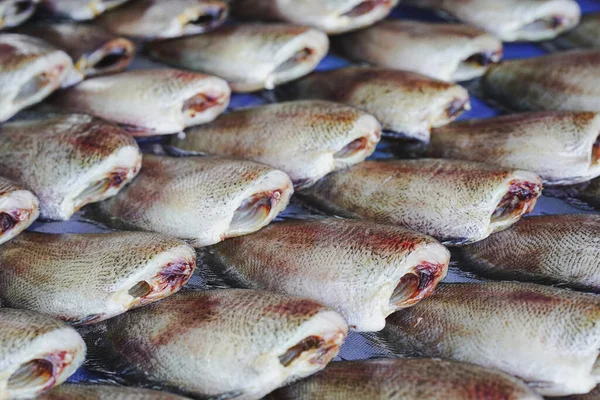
[[77, 391], [15, 12], [90, 160], [407, 104], [586, 35], [19, 208], [203, 199], [561, 147], [305, 139], [449, 52], [79, 10], [590, 192], [37, 352], [456, 202], [250, 57], [223, 343]]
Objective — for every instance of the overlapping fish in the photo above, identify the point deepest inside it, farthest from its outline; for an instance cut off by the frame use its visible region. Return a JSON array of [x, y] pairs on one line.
[[406, 379], [585, 35], [511, 20], [149, 102], [15, 12], [72, 391], [305, 139], [250, 57], [222, 344], [67, 160], [407, 104], [563, 148], [450, 52], [203, 199], [37, 352], [457, 202], [509, 326], [30, 70], [154, 19], [19, 208], [363, 270], [589, 192], [331, 16], [79, 10], [568, 80], [87, 278]]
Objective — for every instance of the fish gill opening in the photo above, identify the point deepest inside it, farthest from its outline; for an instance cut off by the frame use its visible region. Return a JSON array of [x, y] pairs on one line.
[[416, 285], [113, 58], [140, 289], [31, 377], [596, 152], [7, 222], [96, 190], [253, 211], [197, 104], [209, 18], [517, 201], [171, 277], [310, 343], [475, 64], [547, 24], [366, 7]]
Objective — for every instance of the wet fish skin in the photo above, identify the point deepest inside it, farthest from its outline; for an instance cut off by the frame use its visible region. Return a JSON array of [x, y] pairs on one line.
[[330, 16], [87, 278], [79, 10], [509, 326], [456, 202], [364, 271], [156, 19], [15, 12], [38, 350], [72, 391], [406, 379], [407, 104], [228, 343], [585, 35], [202, 199], [91, 160], [305, 139], [567, 81], [19, 208], [590, 192], [448, 52], [562, 147], [250, 57], [511, 20], [30, 70]]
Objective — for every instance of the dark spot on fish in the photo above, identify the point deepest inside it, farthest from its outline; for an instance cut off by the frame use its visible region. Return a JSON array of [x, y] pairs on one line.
[[210, 18], [309, 343], [456, 107], [485, 58], [7, 222]]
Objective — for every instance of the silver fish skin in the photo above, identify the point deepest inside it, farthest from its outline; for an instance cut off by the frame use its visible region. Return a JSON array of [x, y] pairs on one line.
[[30, 70], [250, 57], [567, 81], [330, 16], [407, 104], [79, 10], [511, 20], [37, 352], [78, 391], [305, 139], [158, 19], [87, 278], [406, 379], [363, 270], [556, 249], [448, 52], [93, 50], [91, 160], [227, 343], [149, 102], [456, 202], [509, 326], [563, 148], [586, 35], [202, 199], [15, 12], [19, 208]]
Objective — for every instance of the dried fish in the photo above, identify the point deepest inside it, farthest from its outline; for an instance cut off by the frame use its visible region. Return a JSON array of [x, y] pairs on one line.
[[15, 12], [79, 10], [19, 208], [585, 35], [72, 391], [589, 192]]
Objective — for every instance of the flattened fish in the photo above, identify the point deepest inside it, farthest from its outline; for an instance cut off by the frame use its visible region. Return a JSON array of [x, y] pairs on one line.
[[568, 80], [79, 10], [407, 104], [511, 20], [30, 70], [203, 199], [305, 139], [457, 202], [238, 344], [250, 57], [37, 352], [406, 379], [72, 391], [152, 19], [365, 271], [93, 50], [68, 160], [561, 147], [16, 12], [510, 326], [585, 35], [88, 278], [331, 16], [149, 102], [449, 52], [19, 208]]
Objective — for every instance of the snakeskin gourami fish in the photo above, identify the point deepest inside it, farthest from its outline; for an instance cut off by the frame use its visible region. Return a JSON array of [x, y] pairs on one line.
[[585, 35], [78, 391], [79, 10], [15, 12], [19, 208]]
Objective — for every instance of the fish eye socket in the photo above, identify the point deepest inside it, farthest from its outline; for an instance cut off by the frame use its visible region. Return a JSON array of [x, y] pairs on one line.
[[294, 352], [32, 375]]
